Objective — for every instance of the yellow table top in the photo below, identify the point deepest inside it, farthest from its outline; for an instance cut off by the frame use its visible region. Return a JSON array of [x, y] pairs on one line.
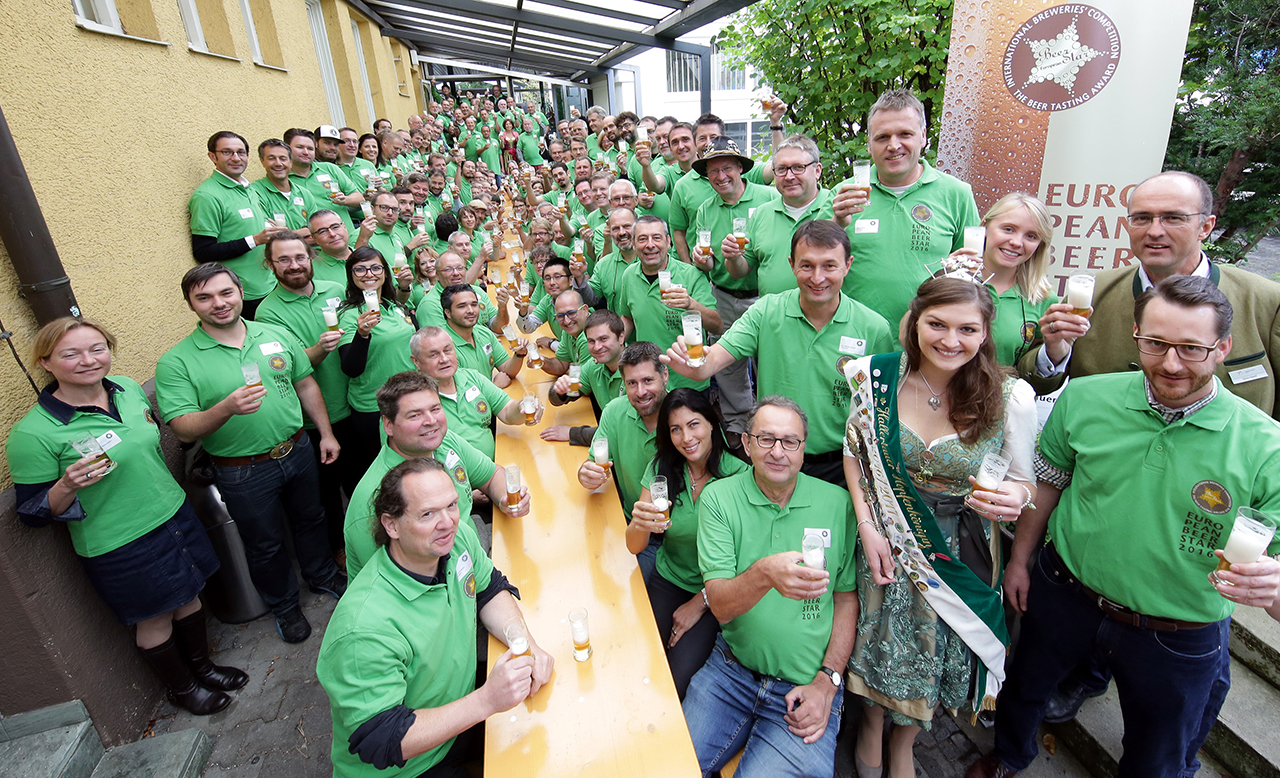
[[616, 714]]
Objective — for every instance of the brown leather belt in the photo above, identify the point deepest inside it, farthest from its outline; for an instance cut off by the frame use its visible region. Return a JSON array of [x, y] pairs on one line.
[[1119, 613], [278, 451]]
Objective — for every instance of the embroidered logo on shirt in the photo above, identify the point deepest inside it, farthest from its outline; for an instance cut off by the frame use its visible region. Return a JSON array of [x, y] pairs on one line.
[[1212, 497], [149, 415], [460, 474], [470, 586], [1028, 331], [482, 406], [921, 213], [277, 363]]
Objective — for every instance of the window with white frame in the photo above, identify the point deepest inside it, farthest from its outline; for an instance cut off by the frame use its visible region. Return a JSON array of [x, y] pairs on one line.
[[191, 21], [724, 75], [98, 15], [683, 71], [252, 31]]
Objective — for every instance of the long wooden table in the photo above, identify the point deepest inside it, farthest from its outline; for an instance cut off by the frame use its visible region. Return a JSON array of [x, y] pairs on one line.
[[617, 714]]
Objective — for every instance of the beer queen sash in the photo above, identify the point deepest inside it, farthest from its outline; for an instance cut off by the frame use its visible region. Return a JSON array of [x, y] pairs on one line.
[[969, 606]]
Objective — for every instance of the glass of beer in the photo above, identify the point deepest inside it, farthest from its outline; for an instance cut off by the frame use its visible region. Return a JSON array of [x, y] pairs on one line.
[[517, 637], [535, 358], [366, 208], [330, 319], [279, 220], [692, 324], [529, 406], [704, 241], [664, 281], [1249, 538], [371, 300], [512, 474], [862, 176], [575, 379], [581, 634], [976, 238], [661, 499], [526, 291], [564, 204], [739, 232], [766, 104], [252, 375], [579, 250], [642, 137], [1080, 294], [511, 281], [990, 473], [813, 550], [600, 453], [88, 446]]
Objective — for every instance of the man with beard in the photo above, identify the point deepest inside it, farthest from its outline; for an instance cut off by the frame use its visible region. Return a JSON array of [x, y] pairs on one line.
[[478, 348], [325, 180], [328, 144]]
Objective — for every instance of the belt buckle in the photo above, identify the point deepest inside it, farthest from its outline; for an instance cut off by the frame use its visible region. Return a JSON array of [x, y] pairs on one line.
[[282, 450], [1110, 605]]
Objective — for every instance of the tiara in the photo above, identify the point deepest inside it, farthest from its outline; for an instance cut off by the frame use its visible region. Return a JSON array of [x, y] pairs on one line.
[[963, 266]]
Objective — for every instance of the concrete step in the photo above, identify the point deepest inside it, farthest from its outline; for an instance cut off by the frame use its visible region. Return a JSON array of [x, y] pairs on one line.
[[1243, 743], [1255, 641], [69, 751], [181, 754], [34, 721]]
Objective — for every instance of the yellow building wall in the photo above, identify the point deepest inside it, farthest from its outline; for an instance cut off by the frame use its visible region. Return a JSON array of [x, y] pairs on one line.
[[112, 132]]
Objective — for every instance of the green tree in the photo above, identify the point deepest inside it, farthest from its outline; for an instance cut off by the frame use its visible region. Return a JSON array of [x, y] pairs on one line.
[[830, 59], [1227, 120]]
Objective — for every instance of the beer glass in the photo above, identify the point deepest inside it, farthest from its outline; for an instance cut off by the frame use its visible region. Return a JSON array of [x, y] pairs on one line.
[[692, 323], [1080, 294], [529, 406], [976, 238], [564, 204], [252, 375], [579, 252], [581, 634], [575, 379], [862, 176], [512, 474], [642, 137], [279, 220], [330, 319], [371, 300], [526, 291], [990, 473], [600, 453], [535, 357], [1249, 538], [366, 208], [660, 497], [704, 241], [88, 446], [664, 281], [813, 550], [739, 232], [517, 637]]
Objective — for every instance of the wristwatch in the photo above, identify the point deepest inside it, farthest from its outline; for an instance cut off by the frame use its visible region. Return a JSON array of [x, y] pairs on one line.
[[832, 674]]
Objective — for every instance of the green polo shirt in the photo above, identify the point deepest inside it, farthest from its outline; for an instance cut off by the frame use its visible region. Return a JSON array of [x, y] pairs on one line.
[[717, 215], [640, 299], [738, 526], [604, 279], [482, 356], [545, 310], [391, 245], [1017, 323], [472, 407], [130, 501], [490, 156], [200, 372], [769, 232], [692, 190], [1148, 501], [296, 206], [631, 447], [592, 142], [388, 352], [469, 468], [601, 383], [314, 183], [359, 171], [430, 313], [635, 173], [329, 268], [678, 556], [898, 235], [399, 641], [573, 348], [302, 316], [228, 211], [528, 146], [797, 361]]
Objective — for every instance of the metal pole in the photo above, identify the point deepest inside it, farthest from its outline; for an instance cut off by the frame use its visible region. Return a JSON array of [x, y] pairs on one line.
[[41, 277], [704, 78]]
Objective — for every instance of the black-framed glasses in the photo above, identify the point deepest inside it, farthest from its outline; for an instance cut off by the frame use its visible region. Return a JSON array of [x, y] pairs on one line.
[[232, 153], [1187, 352], [556, 277], [1167, 219], [767, 442], [325, 231], [388, 208], [792, 170], [373, 270]]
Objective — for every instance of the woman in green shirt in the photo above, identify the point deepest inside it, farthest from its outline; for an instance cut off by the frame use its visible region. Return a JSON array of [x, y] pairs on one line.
[[691, 453], [424, 277], [138, 539], [469, 222]]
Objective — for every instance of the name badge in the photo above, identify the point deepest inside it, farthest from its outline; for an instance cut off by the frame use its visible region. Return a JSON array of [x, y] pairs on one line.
[[751, 212], [825, 534], [866, 226], [452, 459], [298, 201], [471, 394], [108, 440], [333, 302], [324, 177], [854, 346], [487, 348], [463, 568], [273, 347], [1246, 374], [246, 213]]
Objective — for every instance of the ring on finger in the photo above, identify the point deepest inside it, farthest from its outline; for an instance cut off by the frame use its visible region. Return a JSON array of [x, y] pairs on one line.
[[1053, 326]]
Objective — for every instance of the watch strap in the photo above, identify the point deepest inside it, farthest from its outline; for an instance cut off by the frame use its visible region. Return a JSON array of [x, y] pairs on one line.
[[832, 674]]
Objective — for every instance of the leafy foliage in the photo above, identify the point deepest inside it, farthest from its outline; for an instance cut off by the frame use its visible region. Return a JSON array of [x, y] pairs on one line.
[[1226, 125], [830, 59]]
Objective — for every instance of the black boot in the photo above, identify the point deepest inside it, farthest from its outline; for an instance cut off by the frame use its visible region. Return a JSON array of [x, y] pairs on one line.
[[192, 635], [167, 662]]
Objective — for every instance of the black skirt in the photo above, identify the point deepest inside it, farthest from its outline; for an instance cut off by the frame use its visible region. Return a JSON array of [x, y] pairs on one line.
[[157, 573]]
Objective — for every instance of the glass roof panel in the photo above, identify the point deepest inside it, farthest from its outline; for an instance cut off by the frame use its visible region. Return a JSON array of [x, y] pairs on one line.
[[589, 18]]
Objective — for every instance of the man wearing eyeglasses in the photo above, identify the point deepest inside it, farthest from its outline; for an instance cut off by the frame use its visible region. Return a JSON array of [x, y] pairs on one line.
[[330, 235], [1170, 217], [771, 686], [1140, 477], [385, 237]]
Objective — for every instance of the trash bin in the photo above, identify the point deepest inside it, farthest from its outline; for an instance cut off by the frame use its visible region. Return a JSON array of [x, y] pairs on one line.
[[230, 593]]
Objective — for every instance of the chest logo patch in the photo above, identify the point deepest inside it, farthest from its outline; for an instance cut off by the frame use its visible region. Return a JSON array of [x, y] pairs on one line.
[[277, 363], [482, 406], [469, 586], [149, 415], [460, 474], [921, 213], [1211, 497], [841, 362], [1028, 331]]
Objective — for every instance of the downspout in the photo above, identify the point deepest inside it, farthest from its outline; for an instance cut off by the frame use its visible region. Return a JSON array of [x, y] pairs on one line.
[[41, 277]]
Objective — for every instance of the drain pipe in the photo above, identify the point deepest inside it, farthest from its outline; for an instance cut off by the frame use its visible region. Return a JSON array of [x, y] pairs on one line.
[[41, 277]]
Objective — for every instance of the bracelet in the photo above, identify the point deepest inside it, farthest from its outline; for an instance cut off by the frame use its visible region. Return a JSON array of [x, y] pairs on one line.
[[776, 127], [1027, 503], [705, 601], [866, 521]]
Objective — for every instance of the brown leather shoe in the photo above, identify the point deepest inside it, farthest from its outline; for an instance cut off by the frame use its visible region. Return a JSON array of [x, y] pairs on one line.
[[989, 767]]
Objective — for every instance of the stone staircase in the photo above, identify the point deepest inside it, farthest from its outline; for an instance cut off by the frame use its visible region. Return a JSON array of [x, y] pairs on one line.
[[60, 742], [1244, 744]]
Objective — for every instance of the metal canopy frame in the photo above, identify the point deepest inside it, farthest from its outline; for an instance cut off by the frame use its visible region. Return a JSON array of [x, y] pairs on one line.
[[571, 40]]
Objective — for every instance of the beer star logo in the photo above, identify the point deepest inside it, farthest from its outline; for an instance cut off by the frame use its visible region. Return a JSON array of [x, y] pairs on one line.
[[482, 406], [1211, 497], [150, 416], [1028, 331], [1060, 59], [841, 362], [921, 213], [460, 474], [277, 363], [469, 586]]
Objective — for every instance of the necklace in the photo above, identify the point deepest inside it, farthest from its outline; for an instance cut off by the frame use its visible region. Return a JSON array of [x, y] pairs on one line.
[[935, 401]]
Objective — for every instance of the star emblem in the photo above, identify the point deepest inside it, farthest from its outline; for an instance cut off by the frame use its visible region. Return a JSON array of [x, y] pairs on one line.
[[1060, 59], [1212, 496]]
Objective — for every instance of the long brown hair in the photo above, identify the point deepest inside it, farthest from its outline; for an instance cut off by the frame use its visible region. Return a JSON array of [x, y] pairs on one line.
[[976, 391]]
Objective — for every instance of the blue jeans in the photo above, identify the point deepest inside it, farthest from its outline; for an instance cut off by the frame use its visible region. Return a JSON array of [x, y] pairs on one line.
[[1164, 679], [259, 497], [731, 709]]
